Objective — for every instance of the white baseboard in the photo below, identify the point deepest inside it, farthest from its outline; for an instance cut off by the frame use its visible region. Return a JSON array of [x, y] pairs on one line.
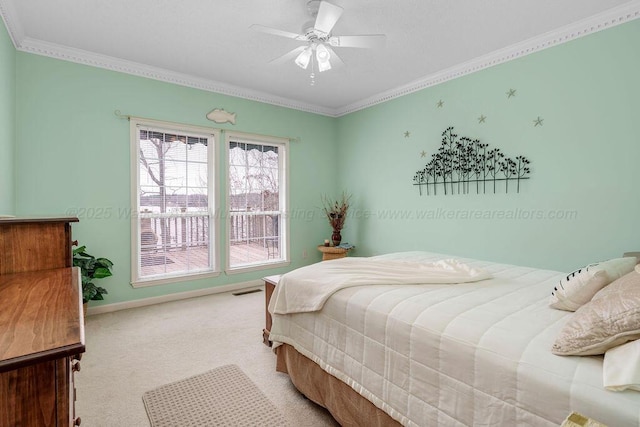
[[108, 308]]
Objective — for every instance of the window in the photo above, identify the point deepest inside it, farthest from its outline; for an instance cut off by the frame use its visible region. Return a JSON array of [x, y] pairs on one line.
[[173, 228], [257, 200]]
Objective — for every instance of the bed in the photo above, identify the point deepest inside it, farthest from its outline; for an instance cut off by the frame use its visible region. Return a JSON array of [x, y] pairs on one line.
[[448, 355]]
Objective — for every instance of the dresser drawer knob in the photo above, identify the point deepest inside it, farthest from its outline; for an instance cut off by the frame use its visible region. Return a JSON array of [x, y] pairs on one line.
[[75, 366], [77, 421]]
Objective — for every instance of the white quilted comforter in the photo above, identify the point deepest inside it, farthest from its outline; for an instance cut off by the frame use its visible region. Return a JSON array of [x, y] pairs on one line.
[[307, 288], [473, 354]]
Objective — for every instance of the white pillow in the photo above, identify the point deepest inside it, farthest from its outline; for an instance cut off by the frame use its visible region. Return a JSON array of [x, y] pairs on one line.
[[579, 287], [621, 368], [610, 319]]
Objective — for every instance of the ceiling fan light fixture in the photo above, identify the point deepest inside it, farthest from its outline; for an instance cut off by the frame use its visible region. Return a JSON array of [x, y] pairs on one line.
[[322, 53], [319, 41], [304, 58], [324, 66], [323, 56]]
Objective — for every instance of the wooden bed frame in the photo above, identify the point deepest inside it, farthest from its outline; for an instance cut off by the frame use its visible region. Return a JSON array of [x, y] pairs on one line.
[[345, 405]]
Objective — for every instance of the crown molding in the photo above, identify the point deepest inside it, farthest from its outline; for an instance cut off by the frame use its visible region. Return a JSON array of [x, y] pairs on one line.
[[11, 22], [611, 18], [84, 57], [607, 19]]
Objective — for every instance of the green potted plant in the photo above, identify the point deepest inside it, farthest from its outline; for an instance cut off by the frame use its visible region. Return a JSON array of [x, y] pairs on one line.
[[91, 268]]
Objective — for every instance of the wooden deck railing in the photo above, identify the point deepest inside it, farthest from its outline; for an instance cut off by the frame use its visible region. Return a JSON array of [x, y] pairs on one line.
[[253, 227], [178, 232], [174, 232]]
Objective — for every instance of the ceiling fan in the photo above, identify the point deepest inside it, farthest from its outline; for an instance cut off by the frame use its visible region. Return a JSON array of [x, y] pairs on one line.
[[319, 40]]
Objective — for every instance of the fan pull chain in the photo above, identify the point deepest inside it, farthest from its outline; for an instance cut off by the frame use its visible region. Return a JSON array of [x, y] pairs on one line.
[[313, 74]]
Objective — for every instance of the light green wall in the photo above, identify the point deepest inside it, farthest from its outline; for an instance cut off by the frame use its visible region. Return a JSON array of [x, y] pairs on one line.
[[74, 153], [7, 121], [584, 157]]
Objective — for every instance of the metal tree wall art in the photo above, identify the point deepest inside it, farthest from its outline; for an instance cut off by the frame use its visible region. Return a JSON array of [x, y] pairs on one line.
[[462, 165]]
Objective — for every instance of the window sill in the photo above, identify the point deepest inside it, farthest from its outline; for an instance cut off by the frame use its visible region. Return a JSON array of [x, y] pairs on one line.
[[256, 267], [165, 280]]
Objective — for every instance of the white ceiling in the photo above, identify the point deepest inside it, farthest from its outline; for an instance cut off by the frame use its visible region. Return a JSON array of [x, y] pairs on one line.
[[208, 43]]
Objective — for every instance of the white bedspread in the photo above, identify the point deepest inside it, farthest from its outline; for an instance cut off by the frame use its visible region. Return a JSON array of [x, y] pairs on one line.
[[307, 288], [473, 354]]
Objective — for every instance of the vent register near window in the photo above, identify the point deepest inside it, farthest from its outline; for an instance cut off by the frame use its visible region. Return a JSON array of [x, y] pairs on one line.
[[174, 234]]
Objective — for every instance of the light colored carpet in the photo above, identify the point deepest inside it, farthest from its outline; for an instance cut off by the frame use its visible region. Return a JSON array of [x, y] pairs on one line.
[[132, 351], [224, 396]]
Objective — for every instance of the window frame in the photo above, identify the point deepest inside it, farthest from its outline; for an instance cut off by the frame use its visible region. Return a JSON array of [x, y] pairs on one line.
[[283, 191], [213, 135]]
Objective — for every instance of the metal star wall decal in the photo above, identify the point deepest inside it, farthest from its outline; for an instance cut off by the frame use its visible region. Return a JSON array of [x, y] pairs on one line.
[[407, 134], [512, 92], [538, 121], [423, 153], [482, 118], [440, 104]]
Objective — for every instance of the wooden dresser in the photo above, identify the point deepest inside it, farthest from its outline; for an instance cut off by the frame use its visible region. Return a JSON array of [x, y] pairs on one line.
[[41, 323]]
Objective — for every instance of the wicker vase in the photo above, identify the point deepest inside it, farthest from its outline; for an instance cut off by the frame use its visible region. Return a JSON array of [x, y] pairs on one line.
[[336, 237]]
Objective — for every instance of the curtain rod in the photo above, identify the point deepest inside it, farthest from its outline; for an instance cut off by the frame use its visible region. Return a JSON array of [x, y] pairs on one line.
[[121, 116]]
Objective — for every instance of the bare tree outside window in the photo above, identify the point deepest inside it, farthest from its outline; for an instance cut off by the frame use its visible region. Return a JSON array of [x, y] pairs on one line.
[[255, 211], [173, 203]]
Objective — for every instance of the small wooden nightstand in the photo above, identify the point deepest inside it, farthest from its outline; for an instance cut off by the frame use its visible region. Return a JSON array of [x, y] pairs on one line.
[[332, 252], [270, 283]]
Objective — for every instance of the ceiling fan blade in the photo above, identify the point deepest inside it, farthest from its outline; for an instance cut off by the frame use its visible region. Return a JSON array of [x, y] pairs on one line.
[[367, 41], [276, 32], [289, 56], [328, 15], [335, 60]]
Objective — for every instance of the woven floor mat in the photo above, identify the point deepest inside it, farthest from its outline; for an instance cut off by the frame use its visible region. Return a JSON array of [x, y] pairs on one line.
[[224, 396]]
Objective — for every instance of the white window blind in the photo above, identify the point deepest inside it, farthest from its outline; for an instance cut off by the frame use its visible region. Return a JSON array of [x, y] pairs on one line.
[[257, 201], [173, 228]]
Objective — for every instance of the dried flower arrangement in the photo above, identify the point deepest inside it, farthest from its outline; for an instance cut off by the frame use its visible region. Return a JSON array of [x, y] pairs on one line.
[[336, 212]]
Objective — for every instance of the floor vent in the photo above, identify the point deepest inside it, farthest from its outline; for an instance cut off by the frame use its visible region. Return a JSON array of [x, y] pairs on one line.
[[250, 291]]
